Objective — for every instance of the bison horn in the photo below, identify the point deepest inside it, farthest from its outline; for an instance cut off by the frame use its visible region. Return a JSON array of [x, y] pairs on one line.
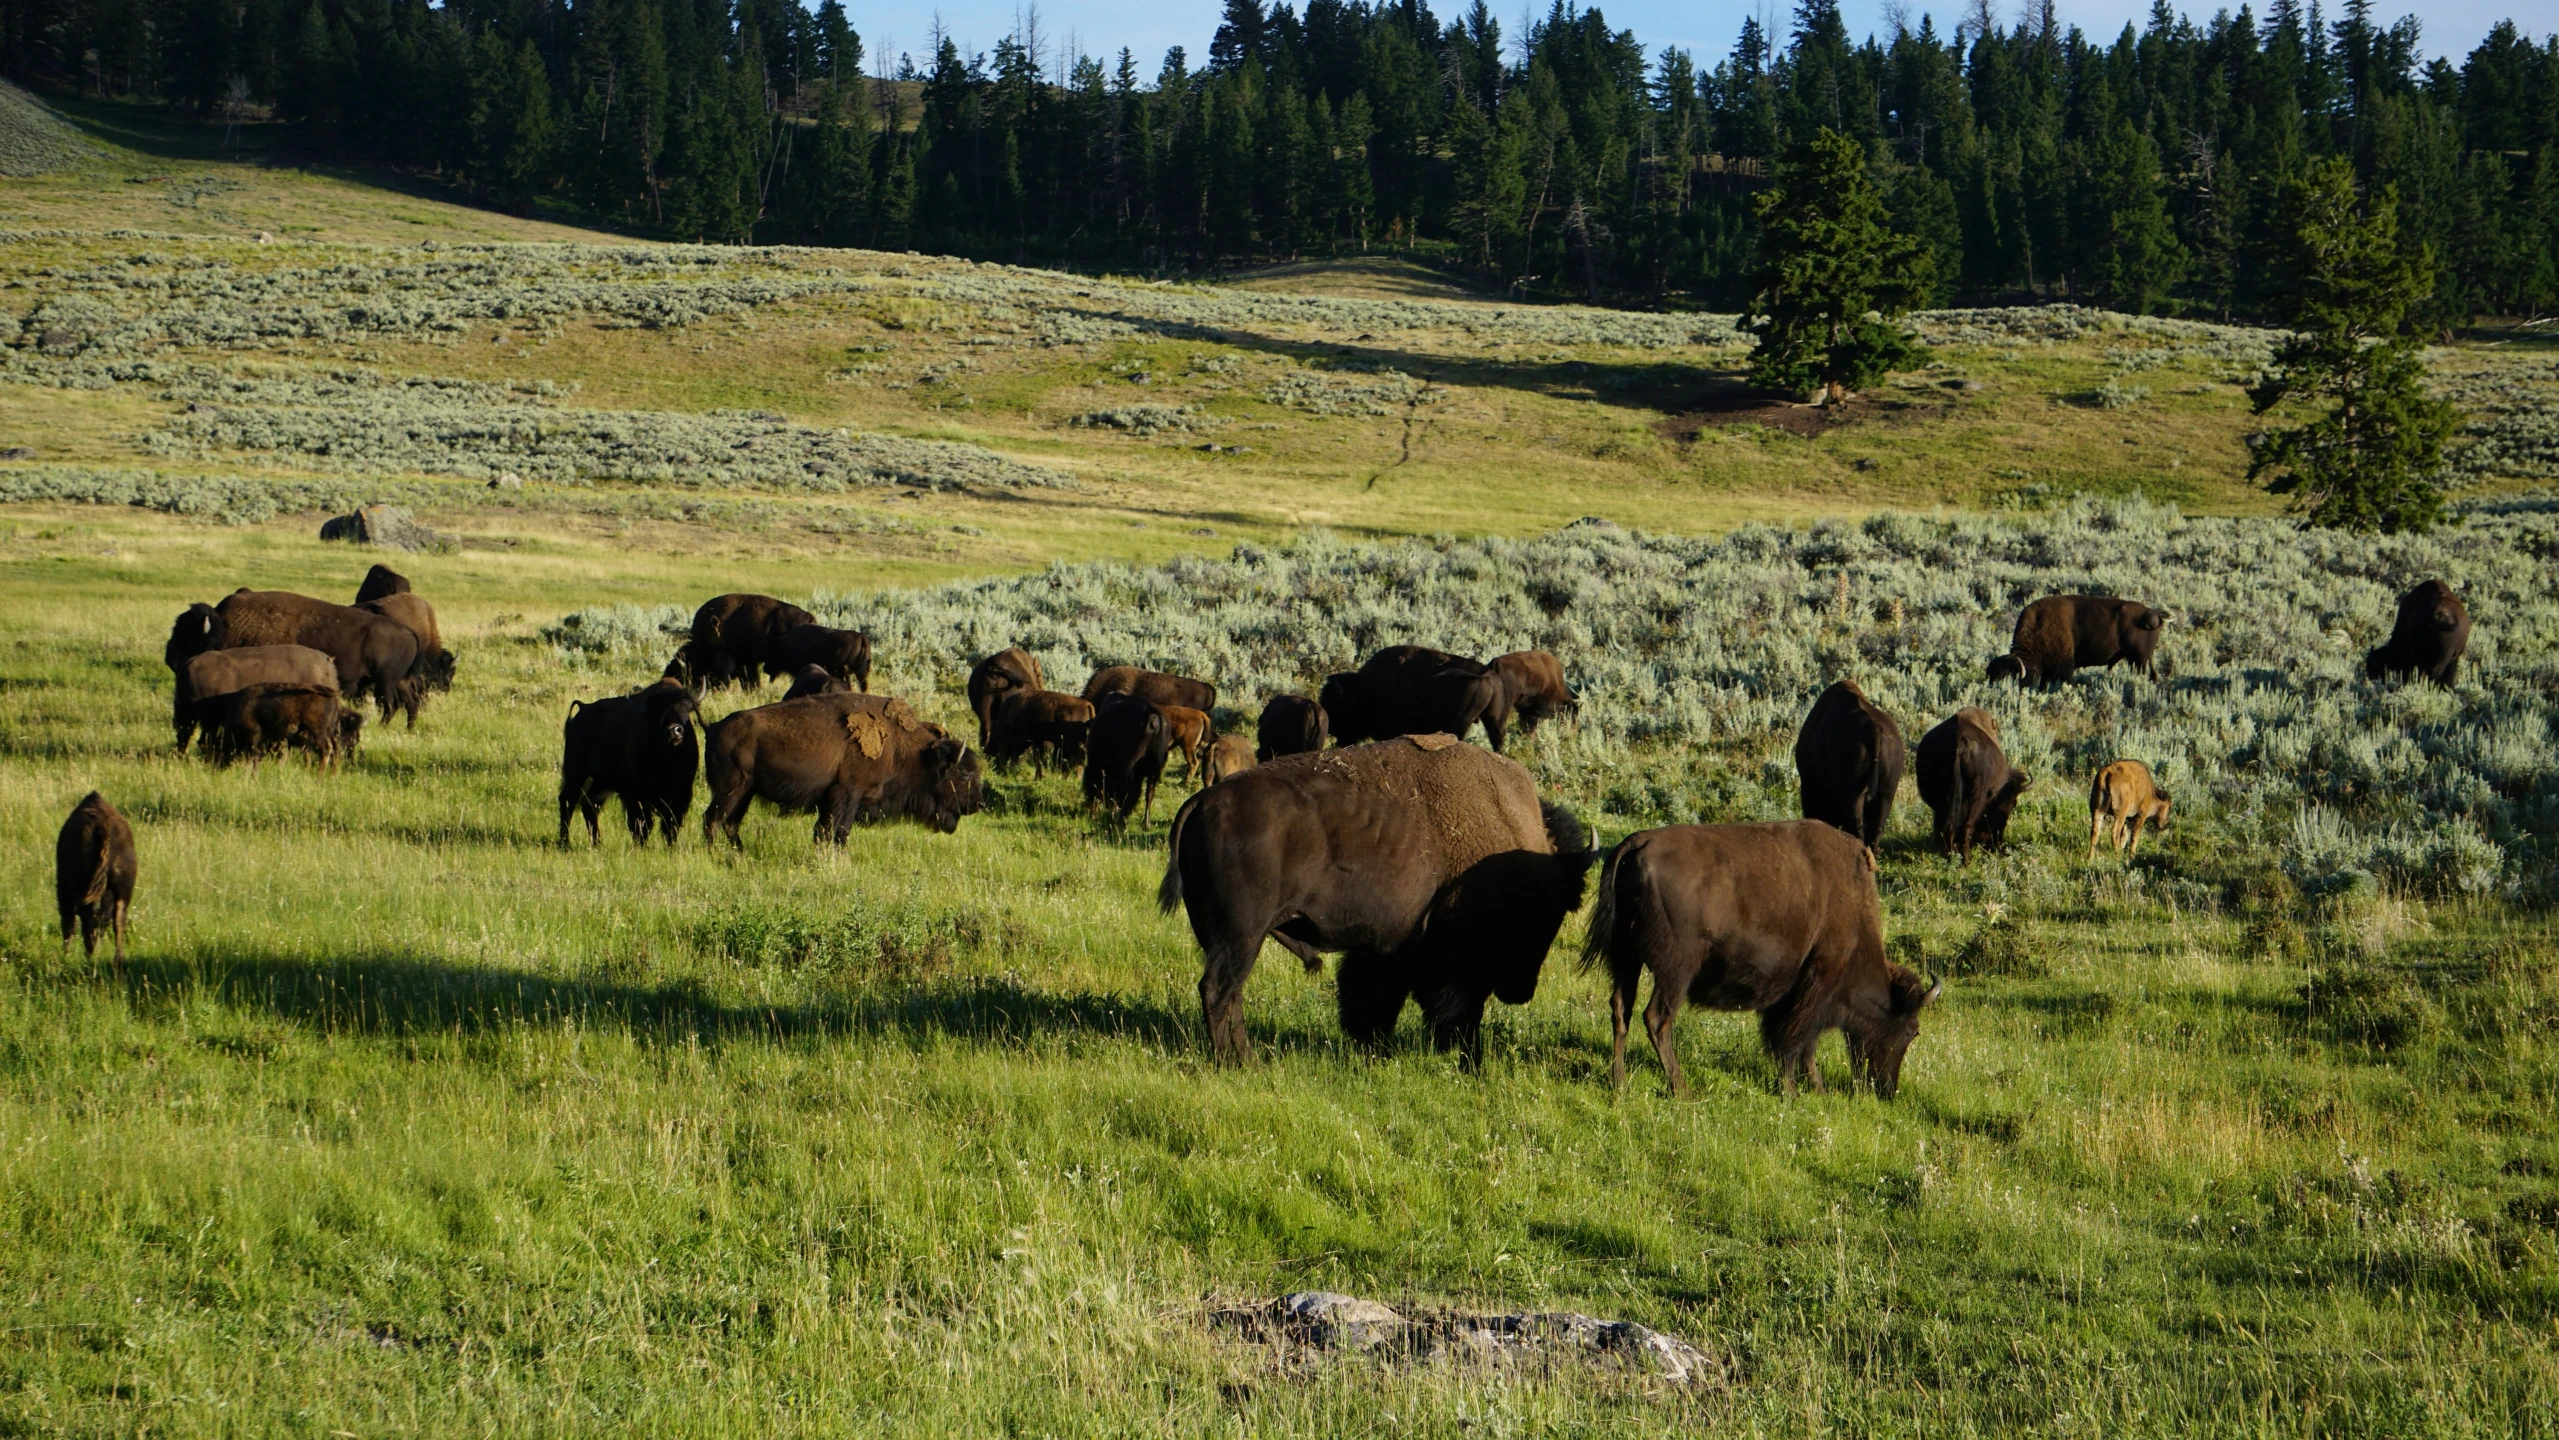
[[1934, 986]]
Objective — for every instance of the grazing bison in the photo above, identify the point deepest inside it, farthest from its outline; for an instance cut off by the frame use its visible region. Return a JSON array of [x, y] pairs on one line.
[[1426, 862], [2428, 638], [1000, 674], [642, 747], [1407, 690], [435, 663], [263, 719], [1848, 760], [1151, 685], [844, 654], [1191, 732], [2124, 794], [94, 868], [379, 581], [1124, 754], [848, 757], [374, 654], [733, 635], [1533, 688], [2059, 635], [815, 680], [1964, 777], [1228, 757], [1348, 717], [1290, 725], [1780, 919], [1047, 725], [199, 677]]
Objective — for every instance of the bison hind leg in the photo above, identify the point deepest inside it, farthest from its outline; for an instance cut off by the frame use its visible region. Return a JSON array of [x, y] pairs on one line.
[[1369, 996]]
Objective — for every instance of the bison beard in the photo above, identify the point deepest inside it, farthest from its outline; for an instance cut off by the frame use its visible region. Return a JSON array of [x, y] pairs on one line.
[[1780, 919], [1428, 864]]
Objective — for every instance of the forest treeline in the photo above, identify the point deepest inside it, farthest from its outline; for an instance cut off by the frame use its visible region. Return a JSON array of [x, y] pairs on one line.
[[2145, 174]]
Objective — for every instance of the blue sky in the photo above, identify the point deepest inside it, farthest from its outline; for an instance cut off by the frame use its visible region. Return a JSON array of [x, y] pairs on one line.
[[2452, 27]]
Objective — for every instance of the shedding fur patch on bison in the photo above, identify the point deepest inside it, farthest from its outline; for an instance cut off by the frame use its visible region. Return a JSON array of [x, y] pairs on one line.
[[2060, 635], [94, 870], [851, 758], [2428, 637], [1428, 864], [1781, 919], [2122, 795]]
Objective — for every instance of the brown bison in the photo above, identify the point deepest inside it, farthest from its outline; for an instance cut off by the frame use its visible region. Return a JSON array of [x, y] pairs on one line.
[[733, 635], [2059, 635], [1533, 689], [1407, 690], [263, 719], [1048, 725], [374, 654], [94, 867], [435, 663], [814, 680], [1191, 733], [848, 757], [201, 676], [1290, 725], [1124, 755], [1965, 779], [2428, 638], [2124, 794], [642, 747], [999, 674], [1848, 761], [1427, 863], [844, 654], [1780, 919], [1228, 757], [379, 581], [1151, 685]]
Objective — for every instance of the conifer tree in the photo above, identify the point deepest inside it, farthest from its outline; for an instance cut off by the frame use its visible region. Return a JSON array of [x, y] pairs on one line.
[[1832, 278]]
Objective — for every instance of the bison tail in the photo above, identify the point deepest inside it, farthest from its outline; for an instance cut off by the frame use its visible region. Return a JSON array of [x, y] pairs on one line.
[[1168, 895], [1602, 937]]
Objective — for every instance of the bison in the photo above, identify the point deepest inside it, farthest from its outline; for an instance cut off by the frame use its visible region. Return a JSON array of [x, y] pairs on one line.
[[373, 654], [1290, 725], [733, 634], [844, 654], [2124, 794], [1781, 919], [201, 676], [642, 747], [2428, 638], [263, 719], [1124, 754], [1228, 757], [1190, 732], [1151, 685], [848, 757], [814, 680], [1533, 689], [435, 663], [2059, 635], [1965, 779], [94, 867], [999, 674], [379, 581], [1047, 725], [1427, 863], [1407, 690], [1848, 761]]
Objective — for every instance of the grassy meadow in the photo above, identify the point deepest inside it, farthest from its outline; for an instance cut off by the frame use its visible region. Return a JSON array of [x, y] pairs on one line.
[[403, 1119]]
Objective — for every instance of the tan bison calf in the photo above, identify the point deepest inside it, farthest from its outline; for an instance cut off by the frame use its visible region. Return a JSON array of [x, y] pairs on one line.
[[94, 868], [1191, 733], [1228, 756], [2123, 794]]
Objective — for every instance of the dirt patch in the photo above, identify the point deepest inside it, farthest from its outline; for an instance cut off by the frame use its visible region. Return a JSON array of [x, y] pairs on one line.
[[1722, 400], [1373, 278]]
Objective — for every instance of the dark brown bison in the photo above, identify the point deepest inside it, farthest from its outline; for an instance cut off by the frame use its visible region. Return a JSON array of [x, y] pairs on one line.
[[1050, 726], [1151, 685], [1124, 754], [848, 757], [199, 677], [2428, 638], [1965, 779], [1228, 757], [844, 654], [1191, 733], [94, 867], [1348, 717], [263, 719], [1290, 725], [642, 747], [1427, 863], [374, 654], [1848, 761], [1780, 919], [2123, 793], [379, 581], [1533, 688], [999, 674], [2060, 635], [733, 634], [1407, 690], [815, 680], [435, 663]]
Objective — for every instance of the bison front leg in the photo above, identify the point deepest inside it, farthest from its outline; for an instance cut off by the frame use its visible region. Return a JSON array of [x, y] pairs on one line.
[[1457, 1023], [1369, 997]]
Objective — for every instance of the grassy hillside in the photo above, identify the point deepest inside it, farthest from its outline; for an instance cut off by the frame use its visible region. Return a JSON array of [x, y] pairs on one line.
[[402, 1118]]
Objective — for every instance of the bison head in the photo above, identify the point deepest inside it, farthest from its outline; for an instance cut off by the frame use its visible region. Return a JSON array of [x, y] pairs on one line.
[[954, 787], [671, 710], [1876, 1048], [1346, 710], [350, 729], [1993, 826], [2009, 667], [198, 629]]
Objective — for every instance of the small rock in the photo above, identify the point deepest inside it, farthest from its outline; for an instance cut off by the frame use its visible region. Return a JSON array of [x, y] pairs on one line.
[[388, 526], [265, 239], [1335, 1320], [507, 481], [1199, 530], [17, 452], [1863, 463]]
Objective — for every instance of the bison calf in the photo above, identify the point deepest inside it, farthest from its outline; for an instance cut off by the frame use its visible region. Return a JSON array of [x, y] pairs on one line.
[[1190, 732], [94, 868], [2124, 795], [814, 680], [642, 747], [1779, 919], [1047, 725], [1228, 757], [1965, 779], [263, 719], [844, 654], [2428, 638], [1290, 725], [1124, 757]]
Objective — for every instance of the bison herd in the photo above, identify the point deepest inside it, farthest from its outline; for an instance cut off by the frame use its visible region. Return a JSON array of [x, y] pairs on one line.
[[1357, 822]]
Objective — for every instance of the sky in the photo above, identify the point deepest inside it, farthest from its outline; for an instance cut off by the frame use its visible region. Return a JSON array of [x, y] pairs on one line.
[[1149, 27]]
